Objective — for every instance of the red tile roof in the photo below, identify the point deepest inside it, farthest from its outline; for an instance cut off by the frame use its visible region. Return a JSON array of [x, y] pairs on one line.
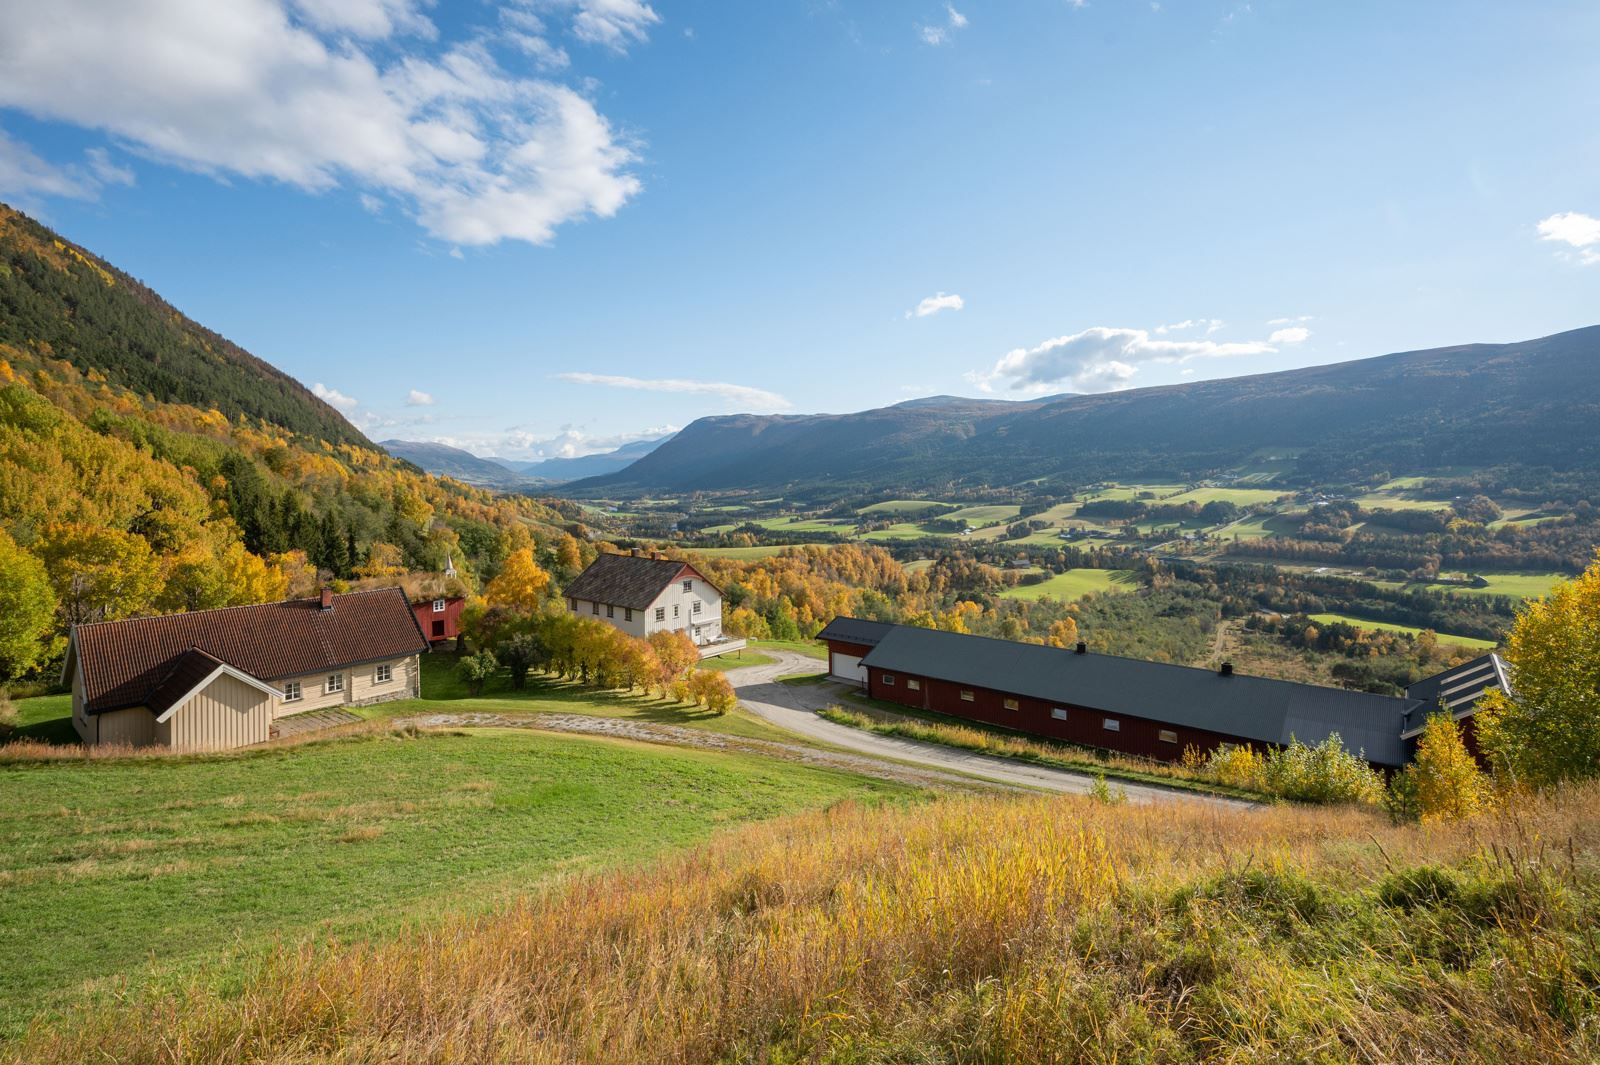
[[124, 663]]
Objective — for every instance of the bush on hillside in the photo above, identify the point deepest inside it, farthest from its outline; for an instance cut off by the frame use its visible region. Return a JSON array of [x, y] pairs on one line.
[[1324, 773]]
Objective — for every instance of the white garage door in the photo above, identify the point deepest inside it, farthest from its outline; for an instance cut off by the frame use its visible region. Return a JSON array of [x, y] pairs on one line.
[[846, 667]]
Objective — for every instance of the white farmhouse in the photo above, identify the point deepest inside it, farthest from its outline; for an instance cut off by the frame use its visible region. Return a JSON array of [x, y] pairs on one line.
[[640, 595]]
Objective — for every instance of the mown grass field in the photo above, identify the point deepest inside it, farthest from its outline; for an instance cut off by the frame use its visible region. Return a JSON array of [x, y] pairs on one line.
[[737, 660], [147, 869], [1514, 585], [910, 507], [1386, 626], [1244, 497], [1075, 584], [965, 930], [760, 551]]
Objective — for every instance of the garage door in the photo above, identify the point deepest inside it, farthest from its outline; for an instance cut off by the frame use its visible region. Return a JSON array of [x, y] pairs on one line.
[[846, 667]]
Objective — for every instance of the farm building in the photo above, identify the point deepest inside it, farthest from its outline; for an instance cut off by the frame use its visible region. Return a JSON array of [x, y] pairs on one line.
[[1150, 709], [439, 617], [1457, 691], [212, 679], [641, 594]]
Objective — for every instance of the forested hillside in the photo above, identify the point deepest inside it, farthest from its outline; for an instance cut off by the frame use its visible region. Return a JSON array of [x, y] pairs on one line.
[[120, 496]]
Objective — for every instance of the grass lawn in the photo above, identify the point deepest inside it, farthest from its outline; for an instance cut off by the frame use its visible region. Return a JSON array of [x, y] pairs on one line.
[[107, 867], [1514, 585], [987, 515], [737, 660], [762, 551], [1389, 501], [901, 506], [902, 531], [1244, 497], [808, 648], [1076, 583], [47, 719], [1385, 626]]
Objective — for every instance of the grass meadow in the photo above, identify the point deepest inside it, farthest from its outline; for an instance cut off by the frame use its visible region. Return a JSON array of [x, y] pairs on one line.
[[1075, 584], [960, 930], [1389, 626]]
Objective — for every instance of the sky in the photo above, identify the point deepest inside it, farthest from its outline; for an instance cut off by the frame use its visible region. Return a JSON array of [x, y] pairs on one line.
[[547, 227]]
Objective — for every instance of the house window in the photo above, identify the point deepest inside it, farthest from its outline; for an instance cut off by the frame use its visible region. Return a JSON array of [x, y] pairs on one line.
[[1111, 724], [335, 683], [696, 608], [967, 696], [888, 680], [688, 586], [291, 692], [627, 613], [594, 608], [438, 606], [661, 613], [1010, 704], [611, 611], [1058, 713], [1168, 736], [674, 609], [383, 674], [572, 605], [912, 684]]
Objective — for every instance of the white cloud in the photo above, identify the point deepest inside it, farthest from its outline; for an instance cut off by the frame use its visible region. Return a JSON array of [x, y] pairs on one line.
[[335, 398], [938, 33], [613, 24], [1294, 334], [1578, 230], [932, 305], [1293, 320], [1101, 359], [1210, 325], [107, 172], [24, 176], [738, 395], [569, 441], [324, 94], [418, 398]]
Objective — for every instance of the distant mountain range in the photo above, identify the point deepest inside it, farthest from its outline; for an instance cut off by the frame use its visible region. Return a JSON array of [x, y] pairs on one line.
[[1535, 403], [512, 473]]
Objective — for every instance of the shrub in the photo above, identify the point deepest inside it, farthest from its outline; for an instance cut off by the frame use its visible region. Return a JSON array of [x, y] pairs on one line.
[[1325, 773], [1444, 783], [477, 669]]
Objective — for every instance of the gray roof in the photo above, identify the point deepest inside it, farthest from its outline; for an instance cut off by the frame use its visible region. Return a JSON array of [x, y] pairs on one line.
[[1254, 708], [855, 630], [627, 580], [1458, 689]]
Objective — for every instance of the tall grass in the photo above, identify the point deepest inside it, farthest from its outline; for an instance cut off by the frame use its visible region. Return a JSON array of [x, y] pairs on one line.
[[963, 930]]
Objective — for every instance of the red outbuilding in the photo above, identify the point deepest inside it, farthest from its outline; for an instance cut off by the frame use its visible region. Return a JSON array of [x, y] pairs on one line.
[[439, 619]]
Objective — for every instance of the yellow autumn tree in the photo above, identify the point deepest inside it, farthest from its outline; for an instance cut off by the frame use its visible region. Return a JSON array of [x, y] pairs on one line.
[[1547, 729], [1063, 633], [521, 583], [1445, 783], [99, 574], [383, 562]]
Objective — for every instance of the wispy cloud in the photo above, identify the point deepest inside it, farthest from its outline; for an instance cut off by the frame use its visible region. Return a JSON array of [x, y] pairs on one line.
[[937, 33], [736, 395], [932, 305], [1292, 320], [1210, 325], [565, 442], [335, 398], [418, 398], [1101, 359], [1578, 231], [1292, 334]]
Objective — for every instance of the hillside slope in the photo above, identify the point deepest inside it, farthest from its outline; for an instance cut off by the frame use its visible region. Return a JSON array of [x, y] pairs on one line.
[[59, 300], [447, 461], [1535, 403]]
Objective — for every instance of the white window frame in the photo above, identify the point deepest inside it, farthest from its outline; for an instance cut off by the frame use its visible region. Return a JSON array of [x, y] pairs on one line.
[[688, 585], [696, 608], [888, 680], [438, 606], [1011, 704], [661, 613], [292, 692], [1167, 735], [913, 684], [383, 674], [1058, 713], [334, 684], [1111, 724], [968, 695]]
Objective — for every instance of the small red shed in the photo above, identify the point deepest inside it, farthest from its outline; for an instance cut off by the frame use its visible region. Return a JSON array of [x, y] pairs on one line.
[[440, 618]]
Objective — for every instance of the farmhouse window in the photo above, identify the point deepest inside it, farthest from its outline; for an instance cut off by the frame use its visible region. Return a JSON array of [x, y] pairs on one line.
[[335, 683], [438, 606], [1058, 713], [291, 692], [661, 613], [572, 604], [688, 585], [1011, 704], [888, 680], [1168, 736], [912, 684], [611, 611], [594, 608], [1111, 724], [696, 608], [675, 609], [383, 674], [967, 696], [627, 613]]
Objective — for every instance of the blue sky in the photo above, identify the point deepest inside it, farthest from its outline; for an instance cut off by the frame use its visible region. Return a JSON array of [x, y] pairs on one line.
[[546, 227]]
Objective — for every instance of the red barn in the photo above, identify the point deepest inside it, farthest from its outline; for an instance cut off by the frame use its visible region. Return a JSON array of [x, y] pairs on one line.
[[439, 619]]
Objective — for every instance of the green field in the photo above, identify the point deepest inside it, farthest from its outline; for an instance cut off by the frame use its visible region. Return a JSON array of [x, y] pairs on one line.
[[1244, 497], [900, 531], [1515, 585], [986, 515], [736, 660], [1384, 626], [761, 551], [1393, 501], [901, 506], [145, 869], [1256, 527], [1076, 583]]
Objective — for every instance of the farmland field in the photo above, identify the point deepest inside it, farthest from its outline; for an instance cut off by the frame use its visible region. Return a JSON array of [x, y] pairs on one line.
[[1244, 497], [986, 515], [909, 507], [1385, 626], [1516, 585], [1076, 583], [761, 551]]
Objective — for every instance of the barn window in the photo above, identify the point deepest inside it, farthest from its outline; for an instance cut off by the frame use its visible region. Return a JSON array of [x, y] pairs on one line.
[[383, 674], [611, 611], [438, 606], [335, 683], [661, 613], [1168, 736], [1011, 704], [688, 586], [888, 680], [967, 696], [912, 684], [291, 692], [1111, 724], [1058, 713]]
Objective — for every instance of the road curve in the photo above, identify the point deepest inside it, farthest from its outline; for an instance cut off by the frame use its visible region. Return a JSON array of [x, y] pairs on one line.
[[794, 707]]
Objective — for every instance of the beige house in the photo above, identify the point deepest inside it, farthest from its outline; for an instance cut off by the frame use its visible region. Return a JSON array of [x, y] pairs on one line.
[[640, 594], [219, 678]]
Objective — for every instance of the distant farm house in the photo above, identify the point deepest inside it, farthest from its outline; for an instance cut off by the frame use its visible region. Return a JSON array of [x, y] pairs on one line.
[[643, 594], [1150, 709], [222, 678]]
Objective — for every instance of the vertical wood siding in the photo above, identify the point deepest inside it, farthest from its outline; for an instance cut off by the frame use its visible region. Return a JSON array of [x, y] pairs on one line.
[[226, 713]]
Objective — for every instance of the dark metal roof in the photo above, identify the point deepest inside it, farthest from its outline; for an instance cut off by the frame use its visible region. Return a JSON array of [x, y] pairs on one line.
[[855, 630], [627, 580], [128, 663], [1458, 689], [1253, 708]]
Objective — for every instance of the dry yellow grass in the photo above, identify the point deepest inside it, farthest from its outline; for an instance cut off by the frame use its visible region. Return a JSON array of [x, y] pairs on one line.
[[964, 930]]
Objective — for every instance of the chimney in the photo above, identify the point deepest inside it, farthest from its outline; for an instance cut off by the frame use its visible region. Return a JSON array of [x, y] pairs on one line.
[[327, 600], [1082, 648], [637, 553], [1226, 670]]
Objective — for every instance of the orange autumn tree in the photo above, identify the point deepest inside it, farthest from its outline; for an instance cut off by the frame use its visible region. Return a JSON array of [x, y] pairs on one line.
[[521, 583]]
